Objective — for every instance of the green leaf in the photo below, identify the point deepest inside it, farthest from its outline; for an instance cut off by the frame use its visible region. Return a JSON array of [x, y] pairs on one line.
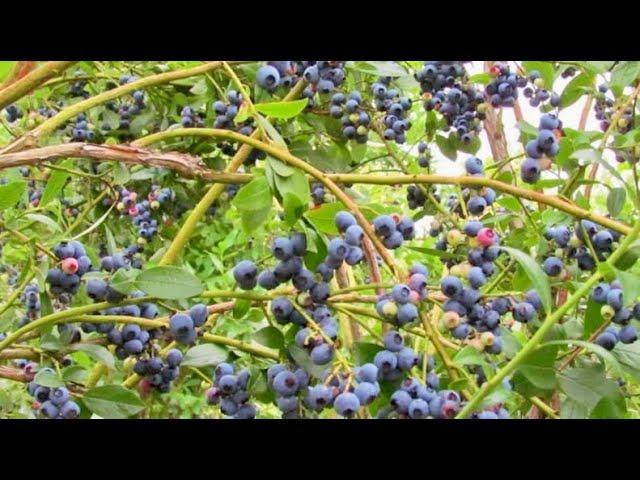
[[279, 167], [575, 89], [296, 184], [43, 219], [112, 119], [539, 369], [56, 182], [301, 358], [534, 272], [10, 194], [271, 131], [468, 356], [597, 66], [124, 281], [624, 74], [363, 352], [481, 78], [97, 352], [629, 357], [270, 337], [630, 286], [112, 401], [169, 282], [47, 378], [586, 385], [592, 318], [204, 355], [282, 109], [323, 218], [615, 200], [445, 146], [383, 69], [546, 70], [294, 208], [74, 373], [241, 307], [570, 409], [592, 347], [255, 195], [629, 258]]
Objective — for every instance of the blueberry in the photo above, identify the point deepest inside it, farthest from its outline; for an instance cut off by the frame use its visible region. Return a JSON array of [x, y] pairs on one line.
[[385, 361], [451, 286], [523, 312], [70, 410], [299, 243], [198, 314], [180, 324], [406, 227], [49, 410], [354, 256], [384, 226], [530, 170], [473, 165], [602, 240], [228, 384], [600, 292], [401, 293], [322, 354], [338, 248], [393, 241], [606, 340], [393, 341], [407, 359], [367, 373], [614, 298], [476, 277], [268, 77], [433, 381], [245, 273], [366, 392], [418, 408], [353, 235], [346, 404], [59, 396], [400, 401], [287, 404], [628, 334], [285, 383], [320, 292], [552, 266], [133, 347], [472, 227], [344, 220], [319, 397], [282, 248], [281, 308], [407, 313], [419, 268]]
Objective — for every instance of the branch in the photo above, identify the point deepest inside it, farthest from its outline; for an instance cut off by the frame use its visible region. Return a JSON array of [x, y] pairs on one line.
[[32, 138], [20, 88], [19, 70]]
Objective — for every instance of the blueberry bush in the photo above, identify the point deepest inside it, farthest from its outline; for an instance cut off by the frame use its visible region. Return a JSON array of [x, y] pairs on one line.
[[319, 239]]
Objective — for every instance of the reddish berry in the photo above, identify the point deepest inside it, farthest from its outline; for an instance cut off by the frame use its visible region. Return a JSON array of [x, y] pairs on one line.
[[486, 237], [69, 265]]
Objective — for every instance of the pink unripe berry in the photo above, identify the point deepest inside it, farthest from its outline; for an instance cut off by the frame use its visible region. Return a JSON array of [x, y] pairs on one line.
[[133, 211], [486, 237], [414, 297], [69, 265]]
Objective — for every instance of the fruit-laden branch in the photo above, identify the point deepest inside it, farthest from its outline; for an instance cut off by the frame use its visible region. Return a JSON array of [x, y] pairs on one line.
[[32, 138], [286, 157], [31, 81], [550, 321], [191, 166], [14, 374], [464, 180]]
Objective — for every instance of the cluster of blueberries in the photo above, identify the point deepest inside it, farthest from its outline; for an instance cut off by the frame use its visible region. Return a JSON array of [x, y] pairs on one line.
[[13, 113], [31, 300], [189, 118], [477, 200], [444, 88], [355, 120], [545, 145], [313, 338], [140, 211], [503, 89], [395, 108], [603, 107], [52, 402], [400, 306], [81, 131], [230, 391], [396, 358], [287, 384], [611, 297], [125, 109], [393, 230], [575, 245], [74, 263], [183, 325], [424, 160], [158, 373], [318, 193], [538, 94]]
